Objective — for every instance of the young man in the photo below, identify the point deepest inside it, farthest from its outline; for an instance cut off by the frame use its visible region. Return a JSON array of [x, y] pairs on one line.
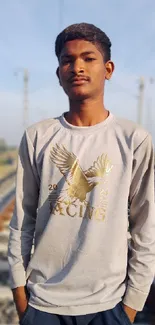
[[76, 175]]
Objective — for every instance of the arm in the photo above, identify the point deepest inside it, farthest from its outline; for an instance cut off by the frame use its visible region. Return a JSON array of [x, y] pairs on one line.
[[141, 268], [20, 298], [22, 225]]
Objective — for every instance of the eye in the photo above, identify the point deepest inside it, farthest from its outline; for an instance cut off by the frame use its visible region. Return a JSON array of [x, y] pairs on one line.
[[65, 62], [89, 59]]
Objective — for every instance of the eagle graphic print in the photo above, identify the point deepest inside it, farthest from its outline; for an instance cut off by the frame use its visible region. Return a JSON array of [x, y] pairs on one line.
[[75, 197]]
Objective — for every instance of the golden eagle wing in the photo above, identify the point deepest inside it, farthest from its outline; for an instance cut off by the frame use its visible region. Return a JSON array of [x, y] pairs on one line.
[[66, 162], [100, 167]]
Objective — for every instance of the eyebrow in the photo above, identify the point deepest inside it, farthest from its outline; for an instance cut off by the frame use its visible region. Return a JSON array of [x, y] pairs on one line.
[[82, 54]]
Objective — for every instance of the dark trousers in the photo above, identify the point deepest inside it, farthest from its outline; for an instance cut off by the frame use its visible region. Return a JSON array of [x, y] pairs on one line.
[[115, 316]]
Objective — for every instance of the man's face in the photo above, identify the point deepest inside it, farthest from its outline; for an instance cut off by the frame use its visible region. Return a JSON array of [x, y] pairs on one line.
[[82, 71]]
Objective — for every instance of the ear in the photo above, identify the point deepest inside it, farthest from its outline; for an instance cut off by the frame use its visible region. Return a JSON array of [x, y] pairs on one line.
[[109, 69], [57, 73]]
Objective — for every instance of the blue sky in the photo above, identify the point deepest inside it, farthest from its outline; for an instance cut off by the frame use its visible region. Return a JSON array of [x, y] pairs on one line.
[[28, 29]]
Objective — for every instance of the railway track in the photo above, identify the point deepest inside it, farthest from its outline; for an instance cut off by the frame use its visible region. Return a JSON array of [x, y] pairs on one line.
[[7, 185], [8, 315], [4, 179], [6, 211], [7, 193]]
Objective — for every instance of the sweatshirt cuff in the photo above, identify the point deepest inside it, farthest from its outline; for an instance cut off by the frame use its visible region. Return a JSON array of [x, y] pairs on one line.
[[17, 278], [134, 298]]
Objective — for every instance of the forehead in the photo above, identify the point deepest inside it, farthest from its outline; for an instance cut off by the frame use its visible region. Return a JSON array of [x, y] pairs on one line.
[[78, 47]]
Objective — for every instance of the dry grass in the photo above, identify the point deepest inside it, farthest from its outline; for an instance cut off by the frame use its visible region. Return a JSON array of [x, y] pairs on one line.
[[10, 153], [5, 169]]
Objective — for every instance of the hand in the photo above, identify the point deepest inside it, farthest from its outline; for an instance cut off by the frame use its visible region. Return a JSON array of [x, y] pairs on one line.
[[21, 300], [131, 313], [22, 309]]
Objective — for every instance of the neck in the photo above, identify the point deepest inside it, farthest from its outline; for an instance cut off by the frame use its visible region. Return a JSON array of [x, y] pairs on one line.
[[87, 112]]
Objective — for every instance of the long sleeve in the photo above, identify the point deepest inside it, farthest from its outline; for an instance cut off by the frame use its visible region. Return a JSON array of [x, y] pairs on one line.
[[22, 225], [141, 268]]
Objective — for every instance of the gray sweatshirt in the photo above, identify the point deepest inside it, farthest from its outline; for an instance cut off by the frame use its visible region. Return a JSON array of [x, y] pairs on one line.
[[72, 193]]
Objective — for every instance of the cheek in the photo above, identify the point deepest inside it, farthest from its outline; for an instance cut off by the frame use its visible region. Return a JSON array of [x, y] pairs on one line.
[[63, 77], [99, 77]]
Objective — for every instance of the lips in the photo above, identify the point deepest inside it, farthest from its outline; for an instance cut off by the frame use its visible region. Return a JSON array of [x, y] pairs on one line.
[[78, 81]]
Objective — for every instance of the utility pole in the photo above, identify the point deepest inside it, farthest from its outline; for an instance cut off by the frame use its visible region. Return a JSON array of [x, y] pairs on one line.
[[25, 99], [25, 94], [140, 101], [149, 109]]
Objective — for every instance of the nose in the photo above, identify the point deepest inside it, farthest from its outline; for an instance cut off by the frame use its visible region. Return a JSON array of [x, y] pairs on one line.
[[77, 67]]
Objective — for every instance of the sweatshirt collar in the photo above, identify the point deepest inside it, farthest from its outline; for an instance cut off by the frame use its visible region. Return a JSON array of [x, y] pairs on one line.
[[84, 129]]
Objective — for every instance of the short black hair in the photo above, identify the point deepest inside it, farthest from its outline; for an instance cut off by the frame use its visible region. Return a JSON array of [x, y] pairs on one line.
[[87, 32]]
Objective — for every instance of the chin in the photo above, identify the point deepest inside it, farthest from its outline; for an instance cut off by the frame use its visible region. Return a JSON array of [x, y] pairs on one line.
[[78, 95]]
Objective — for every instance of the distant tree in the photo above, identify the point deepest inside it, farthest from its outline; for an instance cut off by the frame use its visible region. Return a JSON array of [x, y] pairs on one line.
[[3, 145], [11, 148]]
